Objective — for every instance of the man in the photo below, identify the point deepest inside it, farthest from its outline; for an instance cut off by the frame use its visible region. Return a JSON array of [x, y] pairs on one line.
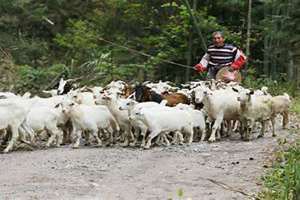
[[220, 55]]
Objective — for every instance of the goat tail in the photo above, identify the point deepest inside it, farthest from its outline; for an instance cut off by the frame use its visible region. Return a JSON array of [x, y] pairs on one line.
[[287, 96]]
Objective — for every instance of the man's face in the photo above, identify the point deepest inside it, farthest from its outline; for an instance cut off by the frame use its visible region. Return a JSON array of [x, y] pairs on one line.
[[218, 40]]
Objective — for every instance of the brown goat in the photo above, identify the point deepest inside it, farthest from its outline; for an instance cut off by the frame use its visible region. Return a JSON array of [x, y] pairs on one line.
[[175, 98], [127, 91]]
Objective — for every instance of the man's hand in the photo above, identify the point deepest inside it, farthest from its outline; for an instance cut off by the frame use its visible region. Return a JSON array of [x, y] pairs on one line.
[[200, 68], [231, 69], [234, 67]]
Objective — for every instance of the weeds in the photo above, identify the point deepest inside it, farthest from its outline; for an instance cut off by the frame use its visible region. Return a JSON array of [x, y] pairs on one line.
[[296, 105], [283, 181]]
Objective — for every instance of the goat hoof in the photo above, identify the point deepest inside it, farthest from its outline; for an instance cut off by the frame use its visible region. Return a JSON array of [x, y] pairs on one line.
[[260, 136], [75, 146], [273, 135], [211, 140], [132, 144], [108, 144], [125, 144]]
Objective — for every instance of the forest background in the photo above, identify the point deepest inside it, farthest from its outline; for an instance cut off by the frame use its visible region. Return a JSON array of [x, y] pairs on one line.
[[135, 40]]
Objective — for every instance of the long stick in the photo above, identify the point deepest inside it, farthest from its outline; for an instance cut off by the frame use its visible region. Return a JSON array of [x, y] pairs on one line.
[[144, 54]]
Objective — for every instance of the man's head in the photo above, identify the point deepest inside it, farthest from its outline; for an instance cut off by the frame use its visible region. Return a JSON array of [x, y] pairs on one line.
[[218, 38]]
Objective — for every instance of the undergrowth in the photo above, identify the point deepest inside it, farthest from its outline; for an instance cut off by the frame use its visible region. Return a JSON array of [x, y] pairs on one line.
[[282, 182]]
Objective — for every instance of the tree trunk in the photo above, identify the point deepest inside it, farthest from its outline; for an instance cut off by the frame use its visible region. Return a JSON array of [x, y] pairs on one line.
[[190, 46], [290, 70], [296, 59], [248, 33], [248, 28], [266, 56], [140, 75], [266, 61]]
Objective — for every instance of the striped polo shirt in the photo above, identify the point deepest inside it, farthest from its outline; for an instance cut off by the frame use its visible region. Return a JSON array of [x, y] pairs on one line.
[[221, 56]]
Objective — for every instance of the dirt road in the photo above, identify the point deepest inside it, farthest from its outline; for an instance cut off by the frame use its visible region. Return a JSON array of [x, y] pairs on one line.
[[230, 169]]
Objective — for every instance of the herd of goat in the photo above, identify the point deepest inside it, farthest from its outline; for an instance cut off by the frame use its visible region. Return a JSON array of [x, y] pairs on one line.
[[138, 115]]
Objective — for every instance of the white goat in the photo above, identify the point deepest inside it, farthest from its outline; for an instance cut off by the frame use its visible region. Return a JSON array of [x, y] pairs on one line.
[[161, 120], [13, 113], [86, 98], [255, 108], [198, 120], [219, 105], [112, 102], [46, 118], [280, 105], [90, 118], [139, 126]]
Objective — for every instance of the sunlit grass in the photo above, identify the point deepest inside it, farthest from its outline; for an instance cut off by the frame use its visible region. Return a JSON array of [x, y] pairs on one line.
[[296, 105], [282, 182]]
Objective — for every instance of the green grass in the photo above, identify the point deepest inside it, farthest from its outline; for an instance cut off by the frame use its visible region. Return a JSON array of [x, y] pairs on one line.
[[282, 182], [296, 105]]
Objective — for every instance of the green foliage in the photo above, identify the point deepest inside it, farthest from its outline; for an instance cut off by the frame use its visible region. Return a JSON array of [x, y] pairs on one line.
[[283, 181], [180, 193], [296, 105], [31, 52], [275, 87], [41, 34], [79, 39], [37, 79]]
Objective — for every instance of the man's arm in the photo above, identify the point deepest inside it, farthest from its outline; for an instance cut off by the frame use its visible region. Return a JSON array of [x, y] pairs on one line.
[[202, 65], [239, 60]]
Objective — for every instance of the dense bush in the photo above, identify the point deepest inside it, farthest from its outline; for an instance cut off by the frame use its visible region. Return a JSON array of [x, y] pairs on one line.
[[37, 79], [275, 87]]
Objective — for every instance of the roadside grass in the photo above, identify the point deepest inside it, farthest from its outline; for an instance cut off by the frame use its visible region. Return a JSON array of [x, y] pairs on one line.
[[282, 182], [296, 105]]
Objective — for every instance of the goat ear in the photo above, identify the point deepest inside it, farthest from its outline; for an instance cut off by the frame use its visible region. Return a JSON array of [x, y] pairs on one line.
[[88, 89], [251, 92], [165, 93], [193, 92], [234, 89], [132, 103], [145, 83], [57, 105]]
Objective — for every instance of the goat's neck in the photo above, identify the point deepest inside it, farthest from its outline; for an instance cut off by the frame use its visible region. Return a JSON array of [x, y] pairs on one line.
[[246, 105], [112, 105], [130, 109], [207, 102]]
